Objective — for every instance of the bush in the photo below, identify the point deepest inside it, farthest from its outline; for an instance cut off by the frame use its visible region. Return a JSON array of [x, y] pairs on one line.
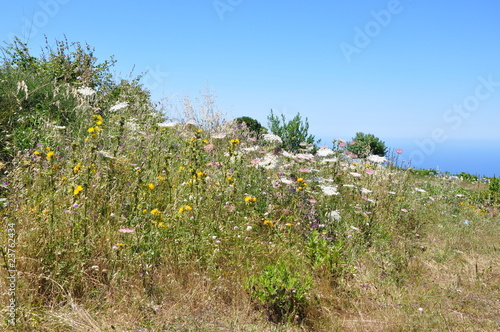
[[283, 294], [292, 132], [367, 144], [40, 93], [468, 177], [253, 125]]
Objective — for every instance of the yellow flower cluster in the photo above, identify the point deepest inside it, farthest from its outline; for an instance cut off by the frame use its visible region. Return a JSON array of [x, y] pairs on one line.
[[77, 168], [268, 223], [250, 199], [185, 208], [96, 129], [301, 183], [77, 190]]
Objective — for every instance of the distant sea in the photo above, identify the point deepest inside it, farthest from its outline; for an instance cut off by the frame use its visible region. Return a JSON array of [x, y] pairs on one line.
[[479, 157]]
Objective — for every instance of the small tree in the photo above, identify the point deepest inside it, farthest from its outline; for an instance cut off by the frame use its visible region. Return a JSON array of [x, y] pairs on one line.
[[292, 132], [367, 144], [253, 125]]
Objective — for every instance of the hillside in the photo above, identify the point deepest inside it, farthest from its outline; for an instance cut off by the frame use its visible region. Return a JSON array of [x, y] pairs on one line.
[[120, 214]]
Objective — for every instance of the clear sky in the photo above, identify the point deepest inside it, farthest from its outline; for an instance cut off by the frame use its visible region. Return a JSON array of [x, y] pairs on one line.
[[421, 71]]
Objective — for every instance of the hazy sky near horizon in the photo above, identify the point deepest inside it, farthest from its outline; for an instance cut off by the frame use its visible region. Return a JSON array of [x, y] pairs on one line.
[[398, 69]]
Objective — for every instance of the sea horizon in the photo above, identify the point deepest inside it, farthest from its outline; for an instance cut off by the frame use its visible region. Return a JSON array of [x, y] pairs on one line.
[[474, 156]]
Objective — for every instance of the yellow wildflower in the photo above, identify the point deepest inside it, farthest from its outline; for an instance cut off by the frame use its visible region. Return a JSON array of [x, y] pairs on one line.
[[155, 211], [91, 130], [77, 190], [50, 154], [36, 153], [151, 186], [77, 168], [250, 199], [268, 223]]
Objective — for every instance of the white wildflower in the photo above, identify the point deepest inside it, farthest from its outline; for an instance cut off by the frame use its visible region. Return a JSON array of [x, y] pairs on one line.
[[324, 152], [357, 175], [269, 162], [86, 91], [105, 155], [218, 135], [376, 159], [167, 124], [365, 191], [334, 215], [286, 181], [355, 228], [420, 190], [250, 149], [273, 139], [191, 122], [131, 125], [329, 160], [118, 106], [287, 154], [329, 190], [304, 156], [59, 127]]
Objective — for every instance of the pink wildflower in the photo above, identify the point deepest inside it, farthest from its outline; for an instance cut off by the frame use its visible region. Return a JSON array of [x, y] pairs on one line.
[[399, 150], [126, 230]]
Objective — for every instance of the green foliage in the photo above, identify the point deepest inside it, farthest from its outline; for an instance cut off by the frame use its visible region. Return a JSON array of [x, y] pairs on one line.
[[425, 172], [253, 125], [292, 132], [367, 144], [281, 291], [494, 185], [40, 94], [326, 254], [468, 177]]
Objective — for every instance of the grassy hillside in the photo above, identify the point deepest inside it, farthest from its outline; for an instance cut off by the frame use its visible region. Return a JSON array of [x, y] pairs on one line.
[[120, 215]]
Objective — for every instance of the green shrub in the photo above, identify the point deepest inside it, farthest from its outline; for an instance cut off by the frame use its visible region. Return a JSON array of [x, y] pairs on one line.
[[281, 292], [367, 144], [425, 172], [253, 125], [292, 132], [468, 177]]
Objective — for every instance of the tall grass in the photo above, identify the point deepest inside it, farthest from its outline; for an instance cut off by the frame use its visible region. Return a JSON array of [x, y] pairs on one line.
[[126, 219]]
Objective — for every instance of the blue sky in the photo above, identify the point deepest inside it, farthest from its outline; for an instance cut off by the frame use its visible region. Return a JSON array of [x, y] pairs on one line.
[[419, 74]]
